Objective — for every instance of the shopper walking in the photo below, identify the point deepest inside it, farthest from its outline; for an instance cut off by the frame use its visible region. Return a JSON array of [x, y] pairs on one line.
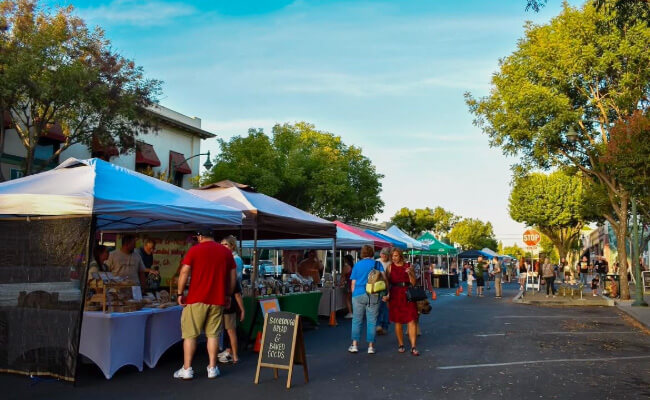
[[382, 319], [401, 311], [364, 304], [549, 276], [214, 277], [498, 274], [479, 272], [523, 270], [230, 354], [348, 263]]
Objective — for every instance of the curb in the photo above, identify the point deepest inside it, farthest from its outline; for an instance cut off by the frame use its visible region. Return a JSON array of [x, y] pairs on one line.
[[630, 311], [520, 298]]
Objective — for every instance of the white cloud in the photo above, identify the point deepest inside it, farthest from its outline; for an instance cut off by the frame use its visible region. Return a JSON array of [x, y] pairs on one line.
[[138, 13]]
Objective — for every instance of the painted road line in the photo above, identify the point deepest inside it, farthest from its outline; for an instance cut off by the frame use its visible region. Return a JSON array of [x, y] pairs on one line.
[[559, 333], [554, 316], [561, 360]]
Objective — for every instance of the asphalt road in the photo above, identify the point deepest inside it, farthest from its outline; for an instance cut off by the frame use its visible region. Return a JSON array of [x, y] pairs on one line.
[[471, 348]]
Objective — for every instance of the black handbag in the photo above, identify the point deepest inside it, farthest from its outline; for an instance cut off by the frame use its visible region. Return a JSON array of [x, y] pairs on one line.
[[415, 293]]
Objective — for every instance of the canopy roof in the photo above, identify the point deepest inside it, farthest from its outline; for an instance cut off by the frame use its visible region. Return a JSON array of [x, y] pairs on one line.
[[435, 246], [378, 242], [394, 242], [474, 254], [272, 218], [121, 199], [400, 235], [344, 240], [493, 253]]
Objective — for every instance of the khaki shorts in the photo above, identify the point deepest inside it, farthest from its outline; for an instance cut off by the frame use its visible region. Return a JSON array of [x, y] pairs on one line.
[[230, 321], [199, 317]]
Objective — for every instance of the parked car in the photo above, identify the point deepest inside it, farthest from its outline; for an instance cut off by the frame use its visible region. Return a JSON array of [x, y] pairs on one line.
[[266, 268]]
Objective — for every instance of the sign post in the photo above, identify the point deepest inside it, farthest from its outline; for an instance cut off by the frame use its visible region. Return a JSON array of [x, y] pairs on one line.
[[283, 345], [532, 238]]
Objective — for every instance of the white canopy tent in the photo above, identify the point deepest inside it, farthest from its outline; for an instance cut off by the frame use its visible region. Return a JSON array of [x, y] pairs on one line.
[[398, 234], [120, 199], [344, 240]]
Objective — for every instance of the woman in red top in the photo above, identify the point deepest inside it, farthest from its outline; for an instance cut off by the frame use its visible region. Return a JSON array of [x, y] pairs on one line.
[[401, 311]]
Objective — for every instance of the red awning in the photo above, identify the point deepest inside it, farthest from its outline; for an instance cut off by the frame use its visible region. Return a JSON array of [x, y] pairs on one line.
[[177, 163], [105, 151], [54, 132], [6, 119], [379, 243], [145, 154]]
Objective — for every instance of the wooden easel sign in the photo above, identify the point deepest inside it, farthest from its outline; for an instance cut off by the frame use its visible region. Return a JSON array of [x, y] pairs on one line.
[[282, 345]]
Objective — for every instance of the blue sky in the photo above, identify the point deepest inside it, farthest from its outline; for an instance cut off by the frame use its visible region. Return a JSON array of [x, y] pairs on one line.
[[388, 76]]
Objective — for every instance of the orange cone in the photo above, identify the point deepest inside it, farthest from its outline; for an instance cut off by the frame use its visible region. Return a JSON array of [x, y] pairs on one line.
[[458, 292], [333, 319], [460, 287], [433, 295], [258, 342]]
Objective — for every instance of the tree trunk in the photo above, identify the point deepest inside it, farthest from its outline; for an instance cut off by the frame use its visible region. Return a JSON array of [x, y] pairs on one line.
[[621, 229]]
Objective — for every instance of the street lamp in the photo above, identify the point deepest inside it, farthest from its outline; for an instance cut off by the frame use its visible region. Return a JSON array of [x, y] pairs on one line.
[[572, 135], [207, 164]]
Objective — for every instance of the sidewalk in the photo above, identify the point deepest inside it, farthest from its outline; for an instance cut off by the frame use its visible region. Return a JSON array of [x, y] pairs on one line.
[[641, 314], [540, 299]]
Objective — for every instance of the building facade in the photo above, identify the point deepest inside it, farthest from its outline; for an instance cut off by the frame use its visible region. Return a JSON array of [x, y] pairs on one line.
[[162, 154]]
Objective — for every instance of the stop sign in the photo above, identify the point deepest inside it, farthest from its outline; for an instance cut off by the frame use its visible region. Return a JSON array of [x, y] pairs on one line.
[[532, 237]]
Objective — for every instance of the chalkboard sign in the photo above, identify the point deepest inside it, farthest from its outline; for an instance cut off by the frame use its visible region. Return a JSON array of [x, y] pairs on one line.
[[282, 345]]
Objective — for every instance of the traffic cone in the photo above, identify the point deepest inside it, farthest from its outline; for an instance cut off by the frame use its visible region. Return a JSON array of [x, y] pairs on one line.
[[258, 342], [458, 292], [333, 319], [460, 287], [433, 295]]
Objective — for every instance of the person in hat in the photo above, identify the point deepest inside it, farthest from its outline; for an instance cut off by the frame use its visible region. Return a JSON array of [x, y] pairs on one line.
[[214, 277]]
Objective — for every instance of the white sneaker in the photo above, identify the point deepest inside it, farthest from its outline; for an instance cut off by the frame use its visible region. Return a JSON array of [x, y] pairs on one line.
[[353, 349], [224, 358], [348, 315], [371, 350], [213, 372], [185, 374]]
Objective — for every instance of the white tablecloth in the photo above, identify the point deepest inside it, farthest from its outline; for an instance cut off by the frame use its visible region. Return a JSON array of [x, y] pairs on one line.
[[162, 331], [114, 340], [326, 304]]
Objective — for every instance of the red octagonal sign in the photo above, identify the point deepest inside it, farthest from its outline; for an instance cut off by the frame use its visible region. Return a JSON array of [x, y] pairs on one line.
[[532, 237]]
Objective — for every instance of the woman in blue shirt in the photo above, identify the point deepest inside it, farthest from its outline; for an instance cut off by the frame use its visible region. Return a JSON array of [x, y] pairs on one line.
[[363, 303]]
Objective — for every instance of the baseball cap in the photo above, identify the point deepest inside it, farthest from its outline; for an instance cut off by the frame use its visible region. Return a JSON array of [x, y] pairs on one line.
[[206, 232]]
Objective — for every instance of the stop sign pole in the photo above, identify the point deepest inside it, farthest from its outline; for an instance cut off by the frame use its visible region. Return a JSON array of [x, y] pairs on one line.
[[532, 238]]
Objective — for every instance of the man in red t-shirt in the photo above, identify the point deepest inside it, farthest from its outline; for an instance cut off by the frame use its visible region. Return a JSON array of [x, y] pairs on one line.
[[213, 281]]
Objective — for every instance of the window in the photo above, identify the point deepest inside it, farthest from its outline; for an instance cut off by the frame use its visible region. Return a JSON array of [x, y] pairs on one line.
[[16, 173], [178, 179]]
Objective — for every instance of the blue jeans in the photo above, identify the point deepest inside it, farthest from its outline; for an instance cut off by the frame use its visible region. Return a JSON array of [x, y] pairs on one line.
[[382, 318], [368, 305], [583, 278]]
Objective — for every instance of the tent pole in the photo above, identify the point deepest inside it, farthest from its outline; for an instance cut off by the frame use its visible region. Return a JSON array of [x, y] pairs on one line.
[[255, 269], [241, 240], [448, 279], [83, 280]]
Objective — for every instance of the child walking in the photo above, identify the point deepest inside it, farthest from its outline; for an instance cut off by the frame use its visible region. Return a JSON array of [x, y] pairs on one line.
[[594, 285]]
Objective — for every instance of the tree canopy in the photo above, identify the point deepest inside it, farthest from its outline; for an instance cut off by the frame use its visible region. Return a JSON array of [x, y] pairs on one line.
[[414, 222], [471, 233], [555, 204], [56, 71], [307, 168], [555, 99]]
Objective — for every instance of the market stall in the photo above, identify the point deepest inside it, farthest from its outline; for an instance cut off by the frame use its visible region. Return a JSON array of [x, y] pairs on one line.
[[440, 277], [378, 242], [333, 296], [48, 223]]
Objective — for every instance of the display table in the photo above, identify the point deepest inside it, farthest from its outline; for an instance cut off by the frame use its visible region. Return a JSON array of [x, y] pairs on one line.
[[163, 330], [445, 281], [326, 306], [304, 304], [113, 340]]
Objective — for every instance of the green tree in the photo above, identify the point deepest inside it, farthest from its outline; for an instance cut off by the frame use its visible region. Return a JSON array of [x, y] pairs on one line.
[[555, 204], [57, 71], [472, 233], [309, 169], [414, 222], [555, 99], [514, 251]]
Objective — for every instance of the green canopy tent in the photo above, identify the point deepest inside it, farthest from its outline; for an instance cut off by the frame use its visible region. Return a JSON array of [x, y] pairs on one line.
[[436, 248]]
